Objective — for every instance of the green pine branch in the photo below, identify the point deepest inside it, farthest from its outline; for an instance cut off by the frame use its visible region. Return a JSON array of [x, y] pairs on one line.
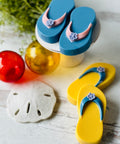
[[22, 13]]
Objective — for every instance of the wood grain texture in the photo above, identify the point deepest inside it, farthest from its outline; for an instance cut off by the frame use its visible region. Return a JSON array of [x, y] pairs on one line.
[[60, 128]]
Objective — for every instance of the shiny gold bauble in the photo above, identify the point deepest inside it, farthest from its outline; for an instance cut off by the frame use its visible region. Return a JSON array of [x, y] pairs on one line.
[[41, 60]]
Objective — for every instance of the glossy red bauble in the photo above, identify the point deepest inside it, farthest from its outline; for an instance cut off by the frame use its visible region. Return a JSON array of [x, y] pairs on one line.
[[12, 66]]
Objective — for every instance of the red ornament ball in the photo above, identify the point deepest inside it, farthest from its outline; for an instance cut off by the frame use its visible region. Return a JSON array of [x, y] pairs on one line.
[[12, 66]]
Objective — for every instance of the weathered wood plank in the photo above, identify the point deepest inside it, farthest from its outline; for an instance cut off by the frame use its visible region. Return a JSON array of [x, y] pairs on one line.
[[60, 128]]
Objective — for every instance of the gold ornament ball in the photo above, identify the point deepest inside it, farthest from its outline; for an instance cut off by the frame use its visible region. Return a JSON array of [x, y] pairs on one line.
[[41, 60]]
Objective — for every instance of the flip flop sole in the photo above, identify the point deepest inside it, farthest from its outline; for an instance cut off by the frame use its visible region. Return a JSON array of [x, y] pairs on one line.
[[57, 9], [81, 18], [89, 129], [92, 79]]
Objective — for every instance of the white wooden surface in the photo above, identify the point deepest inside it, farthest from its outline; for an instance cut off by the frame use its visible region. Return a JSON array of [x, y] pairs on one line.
[[60, 128]]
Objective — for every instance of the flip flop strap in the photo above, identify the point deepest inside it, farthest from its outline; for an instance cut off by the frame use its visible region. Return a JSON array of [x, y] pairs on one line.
[[49, 23], [92, 98], [99, 70], [72, 36]]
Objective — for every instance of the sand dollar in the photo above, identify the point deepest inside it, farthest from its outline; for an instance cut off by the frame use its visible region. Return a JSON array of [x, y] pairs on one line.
[[31, 102]]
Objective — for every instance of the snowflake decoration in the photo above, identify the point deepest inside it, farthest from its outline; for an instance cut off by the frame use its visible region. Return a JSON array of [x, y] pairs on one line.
[[91, 96], [73, 36], [101, 69], [50, 22]]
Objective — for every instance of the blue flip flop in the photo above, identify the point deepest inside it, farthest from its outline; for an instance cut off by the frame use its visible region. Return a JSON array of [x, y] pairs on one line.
[[53, 20], [77, 36]]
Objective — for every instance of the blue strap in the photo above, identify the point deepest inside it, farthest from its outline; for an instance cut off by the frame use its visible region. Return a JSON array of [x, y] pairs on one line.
[[95, 100], [99, 70]]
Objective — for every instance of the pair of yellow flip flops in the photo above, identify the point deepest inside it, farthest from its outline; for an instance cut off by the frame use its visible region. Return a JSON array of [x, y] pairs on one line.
[[91, 102]]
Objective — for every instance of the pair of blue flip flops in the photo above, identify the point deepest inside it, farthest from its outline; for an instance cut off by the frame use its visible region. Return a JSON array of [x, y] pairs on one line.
[[71, 27]]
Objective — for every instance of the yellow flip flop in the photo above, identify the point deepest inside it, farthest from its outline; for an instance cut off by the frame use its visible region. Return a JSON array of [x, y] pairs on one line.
[[91, 106], [97, 74]]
